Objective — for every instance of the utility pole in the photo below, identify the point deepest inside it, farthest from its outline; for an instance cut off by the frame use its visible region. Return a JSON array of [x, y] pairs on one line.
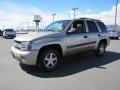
[[74, 9], [53, 17], [69, 15], [41, 23], [27, 26], [116, 15]]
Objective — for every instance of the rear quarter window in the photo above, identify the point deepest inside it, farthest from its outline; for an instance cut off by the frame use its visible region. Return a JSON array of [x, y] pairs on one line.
[[102, 26]]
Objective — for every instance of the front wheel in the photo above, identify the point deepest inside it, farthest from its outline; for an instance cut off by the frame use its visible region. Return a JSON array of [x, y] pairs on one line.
[[100, 49], [48, 59]]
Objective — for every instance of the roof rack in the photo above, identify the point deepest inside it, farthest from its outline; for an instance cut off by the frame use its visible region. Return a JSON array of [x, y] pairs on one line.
[[90, 19]]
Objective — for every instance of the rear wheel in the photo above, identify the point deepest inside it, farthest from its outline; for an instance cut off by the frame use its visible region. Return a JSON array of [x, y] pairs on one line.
[[100, 49], [48, 59]]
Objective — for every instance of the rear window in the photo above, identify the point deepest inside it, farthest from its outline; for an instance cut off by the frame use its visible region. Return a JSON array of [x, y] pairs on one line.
[[102, 26]]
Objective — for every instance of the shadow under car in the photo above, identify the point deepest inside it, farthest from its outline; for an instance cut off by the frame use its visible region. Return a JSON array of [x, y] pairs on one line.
[[74, 64]]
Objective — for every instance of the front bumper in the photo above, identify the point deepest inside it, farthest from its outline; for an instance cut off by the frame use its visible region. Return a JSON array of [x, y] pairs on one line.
[[25, 57]]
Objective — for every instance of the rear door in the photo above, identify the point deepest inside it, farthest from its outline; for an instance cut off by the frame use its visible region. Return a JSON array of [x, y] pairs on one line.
[[93, 33]]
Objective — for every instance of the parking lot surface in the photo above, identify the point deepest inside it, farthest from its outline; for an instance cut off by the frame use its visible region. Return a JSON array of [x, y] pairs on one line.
[[78, 72]]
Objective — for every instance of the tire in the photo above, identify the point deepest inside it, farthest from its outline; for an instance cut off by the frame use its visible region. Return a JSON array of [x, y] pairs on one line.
[[100, 51], [48, 59]]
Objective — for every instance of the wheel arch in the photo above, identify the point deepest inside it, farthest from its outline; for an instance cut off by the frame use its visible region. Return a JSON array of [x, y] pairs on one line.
[[104, 41], [55, 46]]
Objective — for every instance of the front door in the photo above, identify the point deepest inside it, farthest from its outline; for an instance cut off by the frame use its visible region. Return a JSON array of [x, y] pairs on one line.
[[76, 38]]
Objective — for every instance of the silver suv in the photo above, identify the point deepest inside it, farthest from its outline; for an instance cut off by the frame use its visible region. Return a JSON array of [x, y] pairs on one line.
[[9, 33], [65, 37]]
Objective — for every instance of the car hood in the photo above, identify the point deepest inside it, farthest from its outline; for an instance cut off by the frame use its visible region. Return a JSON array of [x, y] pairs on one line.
[[32, 36]]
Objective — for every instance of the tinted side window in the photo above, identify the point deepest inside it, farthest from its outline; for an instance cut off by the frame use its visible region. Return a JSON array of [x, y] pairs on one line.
[[102, 26], [92, 26]]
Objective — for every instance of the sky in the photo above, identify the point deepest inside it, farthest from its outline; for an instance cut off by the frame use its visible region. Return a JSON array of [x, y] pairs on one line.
[[19, 13]]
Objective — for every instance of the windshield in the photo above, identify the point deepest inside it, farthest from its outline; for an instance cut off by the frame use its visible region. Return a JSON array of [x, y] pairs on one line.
[[57, 26]]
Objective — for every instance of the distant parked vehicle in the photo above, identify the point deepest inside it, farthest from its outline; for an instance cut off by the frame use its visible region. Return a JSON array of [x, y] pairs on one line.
[[9, 33], [114, 34], [1, 32]]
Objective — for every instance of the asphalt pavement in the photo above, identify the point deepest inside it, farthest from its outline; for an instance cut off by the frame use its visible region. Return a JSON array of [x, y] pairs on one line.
[[78, 72]]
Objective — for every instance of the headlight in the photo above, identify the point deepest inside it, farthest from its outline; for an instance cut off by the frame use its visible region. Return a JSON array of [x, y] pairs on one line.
[[25, 46]]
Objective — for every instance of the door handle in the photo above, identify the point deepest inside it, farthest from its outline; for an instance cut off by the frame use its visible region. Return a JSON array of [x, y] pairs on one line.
[[85, 36], [99, 35]]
